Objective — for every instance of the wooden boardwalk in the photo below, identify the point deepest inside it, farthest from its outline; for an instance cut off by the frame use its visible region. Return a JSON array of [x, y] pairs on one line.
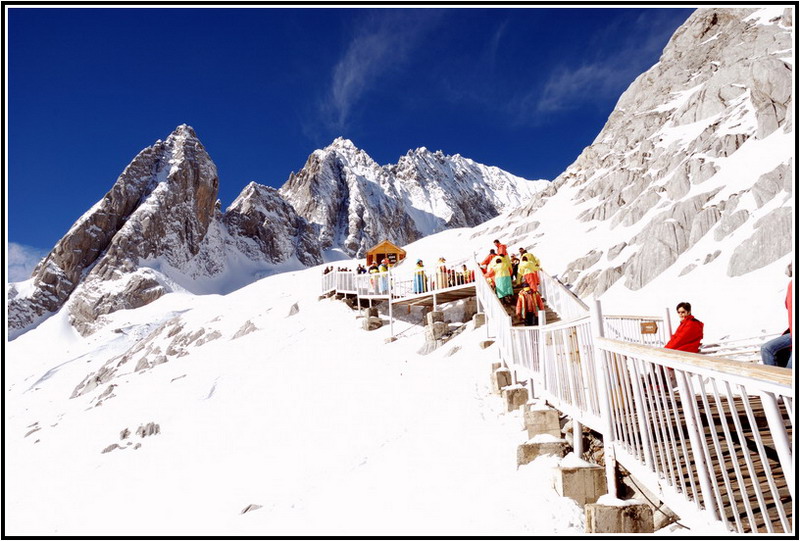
[[751, 503], [440, 296]]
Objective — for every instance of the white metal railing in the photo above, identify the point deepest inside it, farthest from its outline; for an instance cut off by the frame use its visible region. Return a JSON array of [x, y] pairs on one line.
[[328, 282], [563, 301], [345, 282], [708, 432], [409, 282], [498, 322], [702, 435], [743, 349]]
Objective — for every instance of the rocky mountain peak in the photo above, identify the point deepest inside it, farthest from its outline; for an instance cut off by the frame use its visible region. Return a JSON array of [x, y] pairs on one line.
[[184, 131], [265, 227], [160, 207]]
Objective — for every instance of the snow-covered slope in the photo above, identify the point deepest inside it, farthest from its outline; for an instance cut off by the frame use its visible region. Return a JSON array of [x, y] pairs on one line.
[[265, 397]]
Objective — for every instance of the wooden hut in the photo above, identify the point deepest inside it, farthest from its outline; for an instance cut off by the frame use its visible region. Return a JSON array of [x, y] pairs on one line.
[[385, 249]]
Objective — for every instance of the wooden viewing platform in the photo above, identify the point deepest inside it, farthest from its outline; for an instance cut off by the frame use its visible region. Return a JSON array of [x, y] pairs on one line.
[[436, 297]]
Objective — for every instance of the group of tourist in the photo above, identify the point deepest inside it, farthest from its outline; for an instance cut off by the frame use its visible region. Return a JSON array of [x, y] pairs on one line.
[[504, 271], [441, 277], [328, 270]]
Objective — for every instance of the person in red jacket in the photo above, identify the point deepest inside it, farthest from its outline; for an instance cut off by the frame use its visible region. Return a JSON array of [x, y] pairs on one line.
[[689, 333], [488, 260], [789, 309], [502, 249]]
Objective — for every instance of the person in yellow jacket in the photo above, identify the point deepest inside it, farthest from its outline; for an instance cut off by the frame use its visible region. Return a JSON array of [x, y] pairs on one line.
[[502, 278], [529, 270]]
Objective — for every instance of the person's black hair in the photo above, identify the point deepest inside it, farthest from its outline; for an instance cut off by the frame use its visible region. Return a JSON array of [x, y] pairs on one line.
[[685, 305], [496, 241], [498, 260]]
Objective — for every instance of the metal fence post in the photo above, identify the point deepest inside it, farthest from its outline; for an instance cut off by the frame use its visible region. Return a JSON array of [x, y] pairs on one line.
[[694, 426], [391, 294], [669, 324], [782, 444], [601, 368]]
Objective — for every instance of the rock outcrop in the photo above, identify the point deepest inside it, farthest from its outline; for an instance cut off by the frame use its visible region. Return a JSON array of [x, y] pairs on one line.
[[158, 229], [263, 225], [159, 207], [697, 146]]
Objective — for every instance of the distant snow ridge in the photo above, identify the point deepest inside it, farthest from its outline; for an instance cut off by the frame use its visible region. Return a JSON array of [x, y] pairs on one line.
[[356, 202], [697, 157]]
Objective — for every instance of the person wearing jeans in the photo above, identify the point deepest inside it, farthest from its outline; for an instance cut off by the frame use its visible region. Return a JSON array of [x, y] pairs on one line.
[[774, 351]]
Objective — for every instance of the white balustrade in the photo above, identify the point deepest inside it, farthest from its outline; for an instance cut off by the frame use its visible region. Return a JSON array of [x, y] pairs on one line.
[[563, 301], [637, 329]]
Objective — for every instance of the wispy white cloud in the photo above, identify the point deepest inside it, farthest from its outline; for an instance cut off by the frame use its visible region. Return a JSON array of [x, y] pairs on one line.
[[381, 46], [568, 88], [22, 260], [607, 76]]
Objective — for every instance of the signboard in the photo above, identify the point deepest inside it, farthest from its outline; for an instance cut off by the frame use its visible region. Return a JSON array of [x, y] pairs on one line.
[[649, 327]]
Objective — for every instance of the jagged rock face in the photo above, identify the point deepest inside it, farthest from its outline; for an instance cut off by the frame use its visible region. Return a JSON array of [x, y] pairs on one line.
[[160, 206], [351, 199], [169, 223], [672, 162], [160, 227], [358, 203], [456, 190], [264, 226]]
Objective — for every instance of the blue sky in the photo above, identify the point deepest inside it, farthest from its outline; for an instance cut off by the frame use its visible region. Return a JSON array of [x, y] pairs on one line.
[[525, 89]]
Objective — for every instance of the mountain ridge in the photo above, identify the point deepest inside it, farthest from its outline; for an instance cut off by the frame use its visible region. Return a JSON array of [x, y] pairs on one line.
[[161, 228]]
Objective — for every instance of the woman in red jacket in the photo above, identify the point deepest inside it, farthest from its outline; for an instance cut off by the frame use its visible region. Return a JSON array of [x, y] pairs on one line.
[[689, 333]]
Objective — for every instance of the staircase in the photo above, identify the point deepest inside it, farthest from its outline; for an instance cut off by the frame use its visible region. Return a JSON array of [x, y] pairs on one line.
[[550, 314]]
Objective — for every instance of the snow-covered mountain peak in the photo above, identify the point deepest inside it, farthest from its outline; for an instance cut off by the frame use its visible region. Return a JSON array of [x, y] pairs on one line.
[[342, 143], [182, 132], [357, 203], [690, 177]]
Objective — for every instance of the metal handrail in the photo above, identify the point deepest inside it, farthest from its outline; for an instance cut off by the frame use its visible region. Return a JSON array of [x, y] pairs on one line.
[[560, 298]]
